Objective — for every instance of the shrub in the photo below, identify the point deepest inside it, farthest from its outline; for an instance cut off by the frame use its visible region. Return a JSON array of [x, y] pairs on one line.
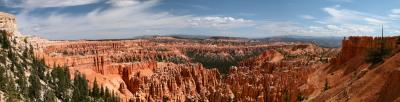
[[326, 85], [377, 55]]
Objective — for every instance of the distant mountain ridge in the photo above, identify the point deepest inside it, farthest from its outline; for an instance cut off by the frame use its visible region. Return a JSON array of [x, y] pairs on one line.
[[330, 41]]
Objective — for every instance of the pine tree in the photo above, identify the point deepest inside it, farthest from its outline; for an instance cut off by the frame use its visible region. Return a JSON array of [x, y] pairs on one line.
[[81, 91], [5, 42], [35, 88], [3, 79], [61, 82], [95, 89], [50, 97]]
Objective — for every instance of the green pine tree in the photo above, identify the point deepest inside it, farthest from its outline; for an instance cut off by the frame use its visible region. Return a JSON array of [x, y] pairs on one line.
[[34, 88], [95, 89]]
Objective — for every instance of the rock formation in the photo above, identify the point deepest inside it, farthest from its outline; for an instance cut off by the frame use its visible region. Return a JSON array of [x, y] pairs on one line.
[[359, 46], [351, 78], [8, 23], [177, 70], [142, 70]]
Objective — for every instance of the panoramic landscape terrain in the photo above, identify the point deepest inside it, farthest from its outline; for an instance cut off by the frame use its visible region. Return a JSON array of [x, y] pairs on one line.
[[127, 51]]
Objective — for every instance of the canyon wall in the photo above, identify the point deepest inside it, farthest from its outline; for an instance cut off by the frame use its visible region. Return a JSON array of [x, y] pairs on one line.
[[359, 46], [165, 70]]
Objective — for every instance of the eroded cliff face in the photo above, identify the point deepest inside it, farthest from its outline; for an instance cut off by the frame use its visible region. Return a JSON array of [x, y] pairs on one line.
[[179, 83], [174, 70], [359, 46], [351, 78], [274, 77]]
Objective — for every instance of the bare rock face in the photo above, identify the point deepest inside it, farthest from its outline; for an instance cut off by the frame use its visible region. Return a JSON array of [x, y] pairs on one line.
[[390, 90], [178, 83], [268, 79], [8, 23], [359, 46], [351, 78], [169, 69], [276, 75]]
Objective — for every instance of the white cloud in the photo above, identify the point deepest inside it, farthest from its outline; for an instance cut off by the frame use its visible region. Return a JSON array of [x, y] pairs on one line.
[[219, 22], [396, 11], [46, 3], [308, 17], [341, 15], [273, 27], [123, 18], [133, 17], [341, 1], [290, 28], [345, 16], [374, 21], [395, 14], [123, 3]]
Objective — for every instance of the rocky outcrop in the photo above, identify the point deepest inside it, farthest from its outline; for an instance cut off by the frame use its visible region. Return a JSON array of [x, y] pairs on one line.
[[390, 90], [178, 83], [141, 70], [359, 46], [270, 82], [350, 78], [8, 23]]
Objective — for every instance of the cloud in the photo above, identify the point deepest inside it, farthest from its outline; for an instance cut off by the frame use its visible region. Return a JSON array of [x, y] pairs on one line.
[[292, 28], [348, 1], [341, 15], [125, 18], [307, 17], [122, 3], [338, 15], [395, 14], [97, 21], [374, 21], [46, 3], [273, 27], [219, 22], [201, 7]]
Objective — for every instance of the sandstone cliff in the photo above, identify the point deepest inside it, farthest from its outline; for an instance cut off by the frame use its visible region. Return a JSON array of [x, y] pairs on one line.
[[173, 70], [351, 78]]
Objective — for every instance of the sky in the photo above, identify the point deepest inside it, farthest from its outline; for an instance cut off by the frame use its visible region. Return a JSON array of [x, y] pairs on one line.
[[109, 19]]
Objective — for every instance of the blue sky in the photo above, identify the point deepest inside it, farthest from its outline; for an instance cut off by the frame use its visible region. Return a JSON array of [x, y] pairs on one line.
[[100, 19]]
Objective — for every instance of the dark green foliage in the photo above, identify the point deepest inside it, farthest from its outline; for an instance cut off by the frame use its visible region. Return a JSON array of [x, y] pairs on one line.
[[377, 55], [16, 63], [326, 85], [39, 66], [95, 90], [60, 82], [11, 90], [3, 79], [101, 91], [398, 39], [175, 59], [235, 99], [222, 63], [23, 86], [34, 88], [301, 97], [5, 42], [81, 90], [286, 95], [106, 95], [50, 97]]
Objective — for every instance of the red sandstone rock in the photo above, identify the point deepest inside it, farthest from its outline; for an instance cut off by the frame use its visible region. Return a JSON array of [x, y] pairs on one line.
[[130, 68]]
